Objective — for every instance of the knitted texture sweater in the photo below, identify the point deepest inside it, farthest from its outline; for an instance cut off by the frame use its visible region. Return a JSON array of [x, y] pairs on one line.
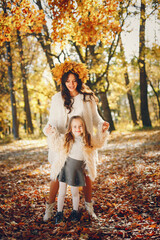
[[58, 117], [56, 145]]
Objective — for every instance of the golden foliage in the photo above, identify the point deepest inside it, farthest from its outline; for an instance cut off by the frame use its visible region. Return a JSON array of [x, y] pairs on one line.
[[68, 65], [22, 16], [85, 22]]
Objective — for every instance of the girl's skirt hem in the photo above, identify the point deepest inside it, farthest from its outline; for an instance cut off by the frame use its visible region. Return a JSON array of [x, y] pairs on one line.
[[73, 173]]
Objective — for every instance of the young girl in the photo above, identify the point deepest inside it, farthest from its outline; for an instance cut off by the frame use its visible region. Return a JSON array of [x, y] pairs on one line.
[[77, 154]]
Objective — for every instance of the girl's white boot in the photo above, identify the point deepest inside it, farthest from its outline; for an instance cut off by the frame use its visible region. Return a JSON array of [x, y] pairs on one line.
[[49, 211], [90, 209]]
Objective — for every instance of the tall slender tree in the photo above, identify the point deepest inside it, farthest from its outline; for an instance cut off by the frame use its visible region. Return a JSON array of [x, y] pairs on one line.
[[142, 69], [12, 93], [45, 41], [11, 83], [127, 82], [24, 83]]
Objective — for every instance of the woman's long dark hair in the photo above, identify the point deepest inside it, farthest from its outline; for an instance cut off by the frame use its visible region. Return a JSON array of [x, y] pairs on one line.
[[81, 88]]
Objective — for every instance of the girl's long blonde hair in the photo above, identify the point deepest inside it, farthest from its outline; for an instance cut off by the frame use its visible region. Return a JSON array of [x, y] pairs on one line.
[[69, 137]]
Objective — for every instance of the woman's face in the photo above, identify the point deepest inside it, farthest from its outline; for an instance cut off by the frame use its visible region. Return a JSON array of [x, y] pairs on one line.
[[77, 127], [71, 84]]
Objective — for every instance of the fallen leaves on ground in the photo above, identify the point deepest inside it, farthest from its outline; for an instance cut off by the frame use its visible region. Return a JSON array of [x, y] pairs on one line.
[[126, 192]]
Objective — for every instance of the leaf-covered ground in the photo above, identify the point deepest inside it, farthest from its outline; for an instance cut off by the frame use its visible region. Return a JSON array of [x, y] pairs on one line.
[[126, 192]]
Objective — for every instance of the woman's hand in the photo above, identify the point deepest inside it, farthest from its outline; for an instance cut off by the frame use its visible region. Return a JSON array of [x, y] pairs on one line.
[[105, 126], [49, 130]]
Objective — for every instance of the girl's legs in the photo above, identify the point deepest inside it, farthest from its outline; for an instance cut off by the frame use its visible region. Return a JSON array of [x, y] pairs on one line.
[[75, 197], [61, 195], [74, 216]]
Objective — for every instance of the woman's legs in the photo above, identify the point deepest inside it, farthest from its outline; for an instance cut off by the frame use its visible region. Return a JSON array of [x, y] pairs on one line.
[[88, 197], [54, 185], [88, 189]]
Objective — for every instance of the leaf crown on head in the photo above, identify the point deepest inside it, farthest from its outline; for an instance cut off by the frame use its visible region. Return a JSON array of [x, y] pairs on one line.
[[69, 65]]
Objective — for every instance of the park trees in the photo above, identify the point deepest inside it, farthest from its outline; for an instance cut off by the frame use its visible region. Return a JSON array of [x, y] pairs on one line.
[[127, 83], [10, 75], [153, 72], [29, 124], [87, 31], [142, 60], [18, 17], [143, 77]]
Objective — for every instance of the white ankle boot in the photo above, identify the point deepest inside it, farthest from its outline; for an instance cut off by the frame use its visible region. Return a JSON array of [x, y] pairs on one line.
[[49, 211], [90, 209]]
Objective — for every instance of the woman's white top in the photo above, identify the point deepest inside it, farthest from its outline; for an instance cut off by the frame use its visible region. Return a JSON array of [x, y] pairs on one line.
[[59, 115], [77, 108], [76, 151]]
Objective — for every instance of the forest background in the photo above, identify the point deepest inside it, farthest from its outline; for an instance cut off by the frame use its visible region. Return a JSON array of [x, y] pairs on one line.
[[119, 41], [123, 72]]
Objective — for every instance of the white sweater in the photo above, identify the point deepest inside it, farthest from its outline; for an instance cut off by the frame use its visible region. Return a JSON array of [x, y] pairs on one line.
[[56, 143], [76, 152], [59, 117]]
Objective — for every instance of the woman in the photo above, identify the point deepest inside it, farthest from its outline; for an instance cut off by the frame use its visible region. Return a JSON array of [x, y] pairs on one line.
[[75, 98]]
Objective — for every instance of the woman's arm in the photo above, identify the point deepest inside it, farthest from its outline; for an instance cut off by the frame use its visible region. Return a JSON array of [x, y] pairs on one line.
[[97, 119], [48, 128], [100, 139], [55, 140]]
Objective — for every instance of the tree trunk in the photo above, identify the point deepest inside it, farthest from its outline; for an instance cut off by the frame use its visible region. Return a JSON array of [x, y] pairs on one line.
[[131, 102], [11, 84], [40, 115], [47, 50], [25, 89], [106, 112], [12, 93], [129, 92], [156, 95], [44, 40], [143, 78]]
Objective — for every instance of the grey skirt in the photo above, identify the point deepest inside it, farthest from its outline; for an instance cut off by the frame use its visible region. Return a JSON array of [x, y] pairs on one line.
[[73, 173]]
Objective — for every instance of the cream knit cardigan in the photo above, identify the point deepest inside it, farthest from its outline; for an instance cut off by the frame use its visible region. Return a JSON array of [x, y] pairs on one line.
[[56, 143], [58, 114], [58, 119]]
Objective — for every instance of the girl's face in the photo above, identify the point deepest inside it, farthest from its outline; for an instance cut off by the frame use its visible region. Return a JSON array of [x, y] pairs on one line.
[[77, 127], [71, 84]]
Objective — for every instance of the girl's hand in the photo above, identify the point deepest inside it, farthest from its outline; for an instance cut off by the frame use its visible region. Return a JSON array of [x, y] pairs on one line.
[[49, 130], [105, 126]]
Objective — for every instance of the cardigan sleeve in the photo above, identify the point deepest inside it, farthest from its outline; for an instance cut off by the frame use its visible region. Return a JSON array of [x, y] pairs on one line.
[[95, 115], [55, 141], [52, 113], [100, 139]]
